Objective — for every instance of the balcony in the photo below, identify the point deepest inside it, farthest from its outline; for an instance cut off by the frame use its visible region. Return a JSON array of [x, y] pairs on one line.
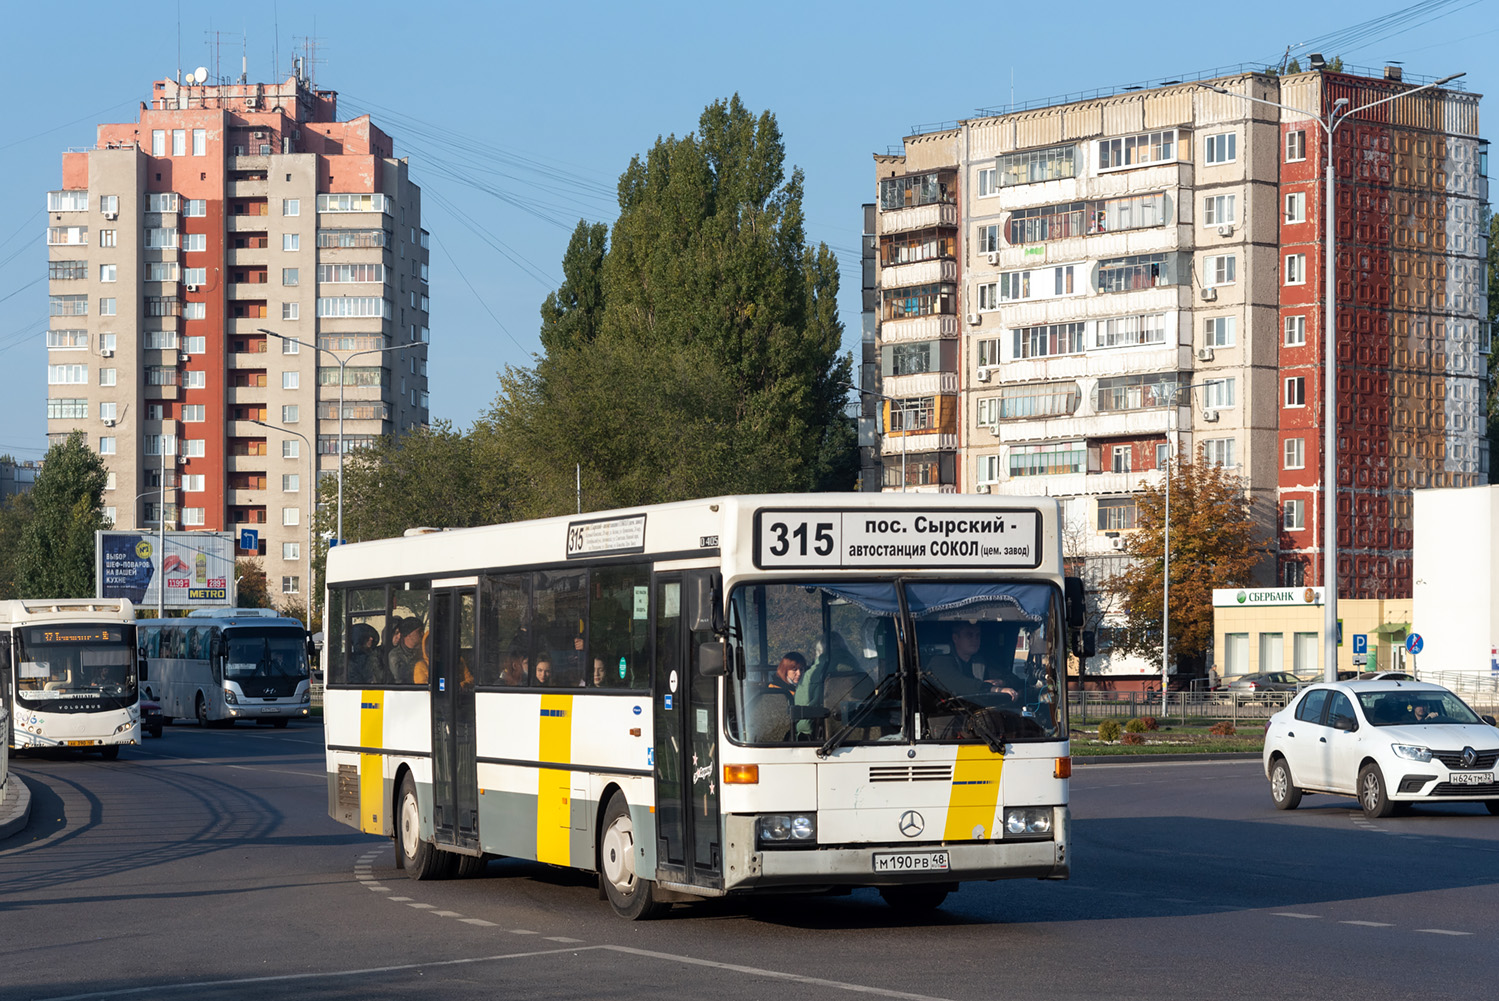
[[925, 384], [919, 217], [248, 291], [248, 463], [919, 328], [894, 445], [248, 189], [163, 392], [246, 498], [920, 273], [260, 163], [247, 223]]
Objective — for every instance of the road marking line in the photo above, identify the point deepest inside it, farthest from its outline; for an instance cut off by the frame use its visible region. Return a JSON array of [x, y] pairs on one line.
[[521, 931], [759, 972], [448, 914], [1293, 914], [562, 938], [477, 921], [400, 899], [419, 905], [1441, 931], [377, 888]]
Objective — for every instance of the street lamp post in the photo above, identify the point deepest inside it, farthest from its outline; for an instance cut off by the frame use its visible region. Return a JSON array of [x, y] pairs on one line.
[[342, 365], [1329, 127], [312, 506], [904, 430]]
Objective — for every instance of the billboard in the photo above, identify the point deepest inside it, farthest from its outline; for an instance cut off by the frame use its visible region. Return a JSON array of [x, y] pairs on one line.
[[197, 568]]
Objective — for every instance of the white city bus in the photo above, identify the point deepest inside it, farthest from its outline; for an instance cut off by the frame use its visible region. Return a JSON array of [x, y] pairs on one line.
[[220, 665], [596, 692], [69, 674]]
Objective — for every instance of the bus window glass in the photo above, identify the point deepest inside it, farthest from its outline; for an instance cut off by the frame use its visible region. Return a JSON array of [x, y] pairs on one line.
[[618, 620], [407, 646], [90, 662], [265, 658], [558, 639], [990, 656], [504, 629], [364, 664], [334, 638]]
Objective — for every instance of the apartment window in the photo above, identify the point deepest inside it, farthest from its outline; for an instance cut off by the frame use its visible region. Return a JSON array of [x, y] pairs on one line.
[[161, 201], [194, 483], [290, 347], [1222, 148], [195, 207], [1015, 285], [1051, 339], [155, 411], [1045, 222], [1218, 393], [988, 239], [291, 241], [194, 379], [194, 412], [358, 305], [1037, 165], [988, 296], [291, 206], [107, 445], [1295, 269], [179, 142], [988, 182], [1130, 331], [1218, 332], [1295, 331], [67, 408], [1295, 146], [289, 585], [1119, 458], [107, 377], [109, 204], [200, 142], [161, 239], [1296, 206], [290, 448], [1296, 391], [1115, 215], [895, 193], [194, 241], [107, 306], [1029, 402], [289, 413], [67, 340], [1219, 210], [163, 305], [291, 550], [291, 482], [108, 411], [917, 414], [67, 375], [289, 276], [1137, 151], [1295, 515], [343, 238], [67, 236], [193, 515], [291, 516], [1062, 280], [291, 380], [106, 342], [1134, 392], [1219, 269], [1219, 451], [1294, 453], [67, 305], [161, 444], [913, 358], [988, 351], [340, 273], [899, 304], [158, 142], [195, 345], [1048, 459], [108, 272], [1116, 514], [108, 238], [989, 469], [161, 271], [193, 448], [1128, 274]]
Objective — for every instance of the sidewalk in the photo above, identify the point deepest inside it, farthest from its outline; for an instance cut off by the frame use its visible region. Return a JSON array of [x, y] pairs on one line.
[[15, 807]]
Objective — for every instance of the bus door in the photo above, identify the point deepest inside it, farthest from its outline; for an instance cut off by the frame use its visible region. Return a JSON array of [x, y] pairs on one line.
[[455, 784], [686, 724]]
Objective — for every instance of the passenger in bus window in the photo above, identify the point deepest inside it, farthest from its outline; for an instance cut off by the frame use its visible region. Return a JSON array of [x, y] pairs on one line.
[[543, 674], [404, 652], [600, 673], [365, 661], [516, 667], [788, 673]]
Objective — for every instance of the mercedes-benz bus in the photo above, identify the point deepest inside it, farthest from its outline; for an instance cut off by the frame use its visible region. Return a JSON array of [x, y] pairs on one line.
[[221, 665], [724, 696], [69, 674]]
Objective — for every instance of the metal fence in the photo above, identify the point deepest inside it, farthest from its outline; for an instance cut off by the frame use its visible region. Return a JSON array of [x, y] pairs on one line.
[[1184, 706]]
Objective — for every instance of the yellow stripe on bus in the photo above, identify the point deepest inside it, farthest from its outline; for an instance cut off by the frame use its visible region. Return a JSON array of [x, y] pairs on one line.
[[372, 766], [975, 794], [554, 785]]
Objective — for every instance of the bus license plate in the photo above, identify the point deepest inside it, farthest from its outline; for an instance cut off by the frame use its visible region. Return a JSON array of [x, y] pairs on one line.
[[910, 862], [79, 743], [1472, 778], [271, 709]]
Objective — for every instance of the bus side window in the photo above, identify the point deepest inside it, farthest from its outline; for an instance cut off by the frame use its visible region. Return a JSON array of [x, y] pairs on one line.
[[504, 622], [333, 638]]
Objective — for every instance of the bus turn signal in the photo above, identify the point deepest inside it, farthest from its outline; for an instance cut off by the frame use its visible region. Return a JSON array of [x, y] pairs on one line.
[[741, 774]]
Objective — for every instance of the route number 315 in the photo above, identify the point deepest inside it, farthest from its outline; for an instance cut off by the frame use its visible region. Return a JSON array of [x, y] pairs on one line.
[[784, 538]]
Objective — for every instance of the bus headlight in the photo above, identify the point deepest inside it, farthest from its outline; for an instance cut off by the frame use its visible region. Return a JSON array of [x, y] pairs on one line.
[[306, 697], [1028, 821], [124, 726], [787, 829], [230, 698]]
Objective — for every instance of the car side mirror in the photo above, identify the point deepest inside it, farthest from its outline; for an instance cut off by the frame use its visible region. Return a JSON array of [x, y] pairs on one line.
[[1347, 723], [1489, 720]]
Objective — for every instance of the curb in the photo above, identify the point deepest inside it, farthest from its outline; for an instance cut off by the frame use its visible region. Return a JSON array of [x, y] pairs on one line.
[[1147, 759], [15, 806]]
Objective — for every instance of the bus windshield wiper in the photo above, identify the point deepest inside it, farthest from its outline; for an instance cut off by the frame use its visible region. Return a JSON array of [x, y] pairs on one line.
[[980, 727], [860, 711]]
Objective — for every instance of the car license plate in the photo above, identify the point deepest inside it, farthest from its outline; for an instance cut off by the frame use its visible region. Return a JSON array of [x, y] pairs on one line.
[[910, 862], [79, 743], [1472, 778]]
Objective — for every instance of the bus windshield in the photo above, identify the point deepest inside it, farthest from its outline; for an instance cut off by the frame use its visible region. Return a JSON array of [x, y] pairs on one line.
[[854, 662], [265, 653], [75, 662]]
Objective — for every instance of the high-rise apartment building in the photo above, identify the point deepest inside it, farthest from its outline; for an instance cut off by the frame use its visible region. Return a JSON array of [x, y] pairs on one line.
[[226, 211], [1065, 291]]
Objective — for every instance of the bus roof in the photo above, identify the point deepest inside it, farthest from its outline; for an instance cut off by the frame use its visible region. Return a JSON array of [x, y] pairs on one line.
[[70, 609], [226, 618]]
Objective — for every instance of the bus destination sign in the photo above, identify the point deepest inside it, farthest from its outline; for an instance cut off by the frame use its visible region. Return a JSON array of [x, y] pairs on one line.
[[75, 634], [606, 536], [984, 538]]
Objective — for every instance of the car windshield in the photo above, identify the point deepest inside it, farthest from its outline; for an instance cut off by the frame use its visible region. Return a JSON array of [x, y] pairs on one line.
[[839, 663], [265, 653], [87, 662], [1413, 707]]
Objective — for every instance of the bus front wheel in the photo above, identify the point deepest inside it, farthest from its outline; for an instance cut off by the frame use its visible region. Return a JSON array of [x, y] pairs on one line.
[[421, 859], [916, 899], [109, 752], [631, 895], [200, 709]]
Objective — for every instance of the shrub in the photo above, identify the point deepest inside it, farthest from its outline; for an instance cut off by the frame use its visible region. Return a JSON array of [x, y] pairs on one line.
[[1108, 730], [1132, 738], [1135, 726], [1151, 723], [1223, 728]]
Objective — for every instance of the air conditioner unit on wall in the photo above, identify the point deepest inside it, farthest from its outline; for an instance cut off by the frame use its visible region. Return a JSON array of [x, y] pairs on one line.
[[1210, 415], [1117, 542], [1226, 230], [974, 319], [106, 352], [993, 257], [1204, 354], [109, 422], [191, 288], [111, 215], [259, 135], [982, 488], [1210, 294], [984, 374]]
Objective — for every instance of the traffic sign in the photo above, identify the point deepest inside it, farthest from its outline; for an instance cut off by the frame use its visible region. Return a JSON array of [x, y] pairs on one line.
[[249, 540], [1360, 643], [1414, 643]]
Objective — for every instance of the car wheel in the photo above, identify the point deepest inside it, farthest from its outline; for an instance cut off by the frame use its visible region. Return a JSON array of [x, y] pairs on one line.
[[631, 895], [1282, 789], [1493, 805], [1372, 795]]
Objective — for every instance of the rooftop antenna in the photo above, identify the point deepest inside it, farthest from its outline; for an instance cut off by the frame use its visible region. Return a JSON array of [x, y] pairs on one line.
[[276, 47], [244, 57], [179, 41]]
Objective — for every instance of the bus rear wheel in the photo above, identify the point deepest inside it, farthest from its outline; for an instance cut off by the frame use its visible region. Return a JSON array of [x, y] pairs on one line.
[[916, 899], [631, 895], [421, 859]]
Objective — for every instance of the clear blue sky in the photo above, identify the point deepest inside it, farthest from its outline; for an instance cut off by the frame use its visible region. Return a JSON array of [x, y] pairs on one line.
[[544, 104]]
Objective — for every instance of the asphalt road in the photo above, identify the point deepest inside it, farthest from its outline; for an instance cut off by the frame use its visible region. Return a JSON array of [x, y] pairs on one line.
[[204, 866]]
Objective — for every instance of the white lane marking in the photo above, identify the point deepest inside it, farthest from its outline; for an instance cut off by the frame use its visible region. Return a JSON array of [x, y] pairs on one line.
[[448, 914], [1293, 914], [521, 931], [287, 977], [760, 972], [419, 905], [1368, 924], [378, 888], [477, 921], [401, 900], [1441, 931], [278, 771], [562, 938]]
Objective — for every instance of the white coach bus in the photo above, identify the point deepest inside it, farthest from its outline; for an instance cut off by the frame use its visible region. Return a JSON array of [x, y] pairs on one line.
[[713, 697], [69, 674], [220, 665]]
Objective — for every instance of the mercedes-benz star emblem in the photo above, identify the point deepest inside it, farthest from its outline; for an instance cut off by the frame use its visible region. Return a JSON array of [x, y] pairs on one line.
[[1470, 757], [911, 824]]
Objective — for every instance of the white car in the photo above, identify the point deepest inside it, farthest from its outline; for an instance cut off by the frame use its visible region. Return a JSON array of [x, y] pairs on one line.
[[1388, 743]]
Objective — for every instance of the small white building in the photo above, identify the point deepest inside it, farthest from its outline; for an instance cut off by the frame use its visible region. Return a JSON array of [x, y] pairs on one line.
[[1456, 596]]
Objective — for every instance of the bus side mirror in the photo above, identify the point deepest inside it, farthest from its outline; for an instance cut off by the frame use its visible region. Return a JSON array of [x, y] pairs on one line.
[[1084, 643], [707, 605], [1076, 602], [710, 660]]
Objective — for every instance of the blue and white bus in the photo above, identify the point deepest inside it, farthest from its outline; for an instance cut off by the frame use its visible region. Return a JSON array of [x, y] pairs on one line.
[[220, 665]]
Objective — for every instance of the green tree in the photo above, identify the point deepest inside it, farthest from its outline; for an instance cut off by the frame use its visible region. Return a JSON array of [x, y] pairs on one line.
[[251, 588], [711, 363], [1213, 545], [15, 513], [55, 553]]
